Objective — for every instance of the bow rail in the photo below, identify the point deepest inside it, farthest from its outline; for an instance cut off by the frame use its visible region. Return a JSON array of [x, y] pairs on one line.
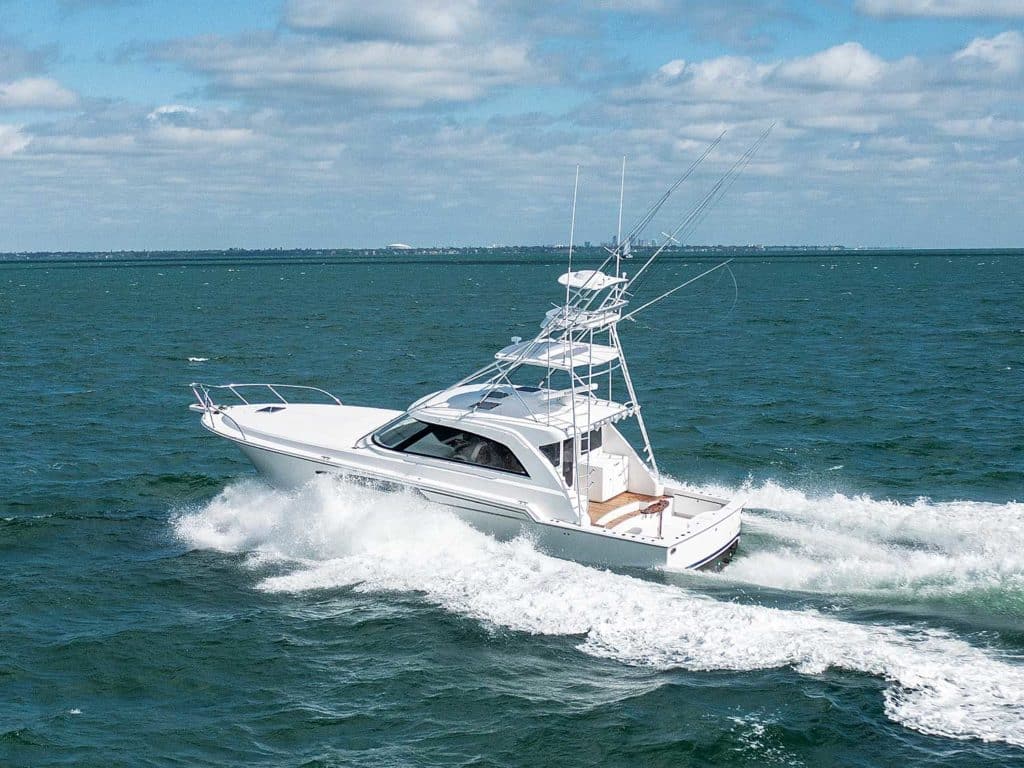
[[205, 393]]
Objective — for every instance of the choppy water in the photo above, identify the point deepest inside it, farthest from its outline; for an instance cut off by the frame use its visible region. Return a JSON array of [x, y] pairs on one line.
[[162, 606]]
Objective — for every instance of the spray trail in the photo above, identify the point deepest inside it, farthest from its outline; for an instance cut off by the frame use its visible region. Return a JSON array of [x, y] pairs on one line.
[[330, 536], [848, 544]]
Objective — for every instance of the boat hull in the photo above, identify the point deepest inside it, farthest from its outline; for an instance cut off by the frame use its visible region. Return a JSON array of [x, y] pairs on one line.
[[710, 545]]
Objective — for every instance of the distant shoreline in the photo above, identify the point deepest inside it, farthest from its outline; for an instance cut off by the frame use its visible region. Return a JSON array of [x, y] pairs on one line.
[[443, 255]]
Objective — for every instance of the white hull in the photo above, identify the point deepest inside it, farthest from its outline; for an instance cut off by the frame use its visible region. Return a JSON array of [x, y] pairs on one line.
[[710, 542]]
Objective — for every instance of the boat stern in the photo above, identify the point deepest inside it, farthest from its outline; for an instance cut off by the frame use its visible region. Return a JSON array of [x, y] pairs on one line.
[[711, 539]]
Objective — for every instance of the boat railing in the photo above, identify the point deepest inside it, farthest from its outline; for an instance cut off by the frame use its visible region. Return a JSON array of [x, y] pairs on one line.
[[205, 393]]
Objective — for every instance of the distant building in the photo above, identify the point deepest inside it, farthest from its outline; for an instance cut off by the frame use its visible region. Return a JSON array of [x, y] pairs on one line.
[[400, 247]]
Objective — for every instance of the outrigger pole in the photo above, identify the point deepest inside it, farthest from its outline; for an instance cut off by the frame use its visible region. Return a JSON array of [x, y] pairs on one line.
[[713, 196], [666, 294]]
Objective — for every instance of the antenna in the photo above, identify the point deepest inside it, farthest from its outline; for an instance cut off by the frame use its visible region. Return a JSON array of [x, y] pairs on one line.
[[618, 234], [572, 235], [572, 382]]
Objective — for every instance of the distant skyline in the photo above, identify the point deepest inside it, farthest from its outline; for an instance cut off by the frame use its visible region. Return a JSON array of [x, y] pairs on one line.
[[152, 125]]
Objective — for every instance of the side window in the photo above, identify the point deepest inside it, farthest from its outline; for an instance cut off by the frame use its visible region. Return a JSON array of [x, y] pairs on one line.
[[561, 454], [590, 441], [411, 436], [441, 443], [397, 432], [552, 452]]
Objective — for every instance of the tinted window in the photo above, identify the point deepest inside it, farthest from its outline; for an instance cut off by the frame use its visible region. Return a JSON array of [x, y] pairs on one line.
[[552, 452], [398, 432], [561, 453], [590, 441], [439, 442]]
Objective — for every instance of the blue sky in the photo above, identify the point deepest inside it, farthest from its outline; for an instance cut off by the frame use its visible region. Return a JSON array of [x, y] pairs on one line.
[[144, 124]]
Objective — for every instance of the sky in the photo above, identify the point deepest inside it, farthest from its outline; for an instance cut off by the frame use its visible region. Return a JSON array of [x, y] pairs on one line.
[[186, 124]]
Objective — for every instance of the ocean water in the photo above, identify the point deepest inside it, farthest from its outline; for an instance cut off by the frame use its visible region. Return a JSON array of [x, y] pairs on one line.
[[163, 606]]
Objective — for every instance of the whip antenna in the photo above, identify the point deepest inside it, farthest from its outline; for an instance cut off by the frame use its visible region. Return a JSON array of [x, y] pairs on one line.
[[618, 234]]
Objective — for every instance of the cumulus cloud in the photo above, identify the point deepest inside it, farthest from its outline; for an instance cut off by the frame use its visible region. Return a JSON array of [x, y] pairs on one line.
[[404, 20], [943, 8], [23, 80], [376, 73], [999, 55], [849, 65], [721, 79], [845, 87], [35, 93], [186, 126]]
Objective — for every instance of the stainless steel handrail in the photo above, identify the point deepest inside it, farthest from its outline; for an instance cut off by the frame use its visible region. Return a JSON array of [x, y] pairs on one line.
[[206, 402], [203, 392]]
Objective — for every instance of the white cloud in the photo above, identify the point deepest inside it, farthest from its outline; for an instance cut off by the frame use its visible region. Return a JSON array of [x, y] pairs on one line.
[[722, 79], [386, 74], [849, 123], [404, 20], [201, 137], [1002, 54], [943, 8], [983, 128], [172, 110], [849, 65], [672, 69], [186, 126], [322, 100], [35, 93], [12, 140]]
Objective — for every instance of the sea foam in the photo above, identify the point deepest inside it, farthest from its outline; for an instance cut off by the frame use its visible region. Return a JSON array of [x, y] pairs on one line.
[[837, 543], [328, 535]]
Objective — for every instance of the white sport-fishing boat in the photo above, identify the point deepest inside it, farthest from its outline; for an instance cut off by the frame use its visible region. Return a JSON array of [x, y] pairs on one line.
[[532, 444]]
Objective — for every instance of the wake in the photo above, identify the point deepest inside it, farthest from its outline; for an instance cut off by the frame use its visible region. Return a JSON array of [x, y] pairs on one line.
[[835, 543], [327, 536]]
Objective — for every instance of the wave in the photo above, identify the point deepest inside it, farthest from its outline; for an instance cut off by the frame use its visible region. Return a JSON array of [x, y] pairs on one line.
[[328, 535], [837, 543]]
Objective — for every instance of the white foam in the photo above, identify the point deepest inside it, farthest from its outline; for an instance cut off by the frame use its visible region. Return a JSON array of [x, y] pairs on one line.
[[838, 543], [198, 359], [332, 536]]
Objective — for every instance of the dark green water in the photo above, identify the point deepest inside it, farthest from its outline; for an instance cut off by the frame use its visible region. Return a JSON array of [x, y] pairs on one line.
[[160, 606]]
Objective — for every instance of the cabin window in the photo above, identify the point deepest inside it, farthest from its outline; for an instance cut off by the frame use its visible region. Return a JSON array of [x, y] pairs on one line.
[[553, 453], [590, 441], [440, 442], [397, 432], [561, 455]]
